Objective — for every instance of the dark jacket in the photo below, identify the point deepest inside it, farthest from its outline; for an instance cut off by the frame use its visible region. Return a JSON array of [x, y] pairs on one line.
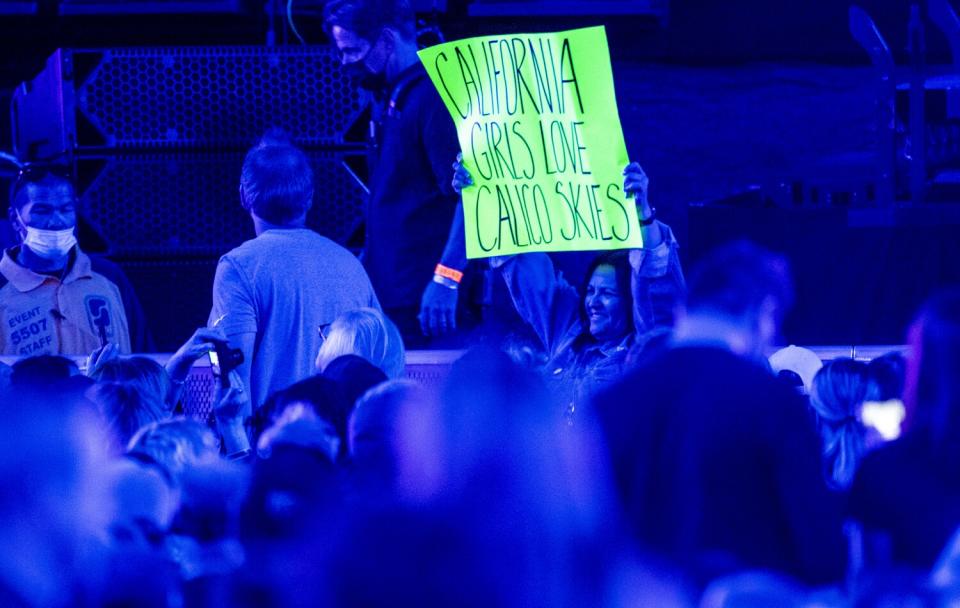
[[717, 465], [550, 306]]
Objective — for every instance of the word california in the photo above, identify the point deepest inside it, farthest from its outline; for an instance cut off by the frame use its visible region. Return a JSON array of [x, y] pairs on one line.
[[495, 80]]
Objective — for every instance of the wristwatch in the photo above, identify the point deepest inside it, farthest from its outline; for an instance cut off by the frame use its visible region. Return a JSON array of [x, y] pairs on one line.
[[648, 221], [448, 283]]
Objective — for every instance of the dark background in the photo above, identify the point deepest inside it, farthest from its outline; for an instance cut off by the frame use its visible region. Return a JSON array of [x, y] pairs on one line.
[[718, 99]]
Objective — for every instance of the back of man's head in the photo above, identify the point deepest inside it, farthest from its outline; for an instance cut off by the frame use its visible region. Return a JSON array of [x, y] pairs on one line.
[[41, 371], [276, 183], [739, 281], [367, 18]]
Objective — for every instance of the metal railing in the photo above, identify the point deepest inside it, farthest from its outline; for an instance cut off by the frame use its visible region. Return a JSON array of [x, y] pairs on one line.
[[427, 367]]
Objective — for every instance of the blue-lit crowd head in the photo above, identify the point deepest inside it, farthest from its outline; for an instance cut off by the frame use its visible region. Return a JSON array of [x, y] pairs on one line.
[[932, 385], [276, 183], [43, 209], [368, 18], [607, 303], [747, 285], [366, 34]]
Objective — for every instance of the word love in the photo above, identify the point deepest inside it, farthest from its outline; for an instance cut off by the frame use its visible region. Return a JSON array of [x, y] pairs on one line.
[[500, 150]]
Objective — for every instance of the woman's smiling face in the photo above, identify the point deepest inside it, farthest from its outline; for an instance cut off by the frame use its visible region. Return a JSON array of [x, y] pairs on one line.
[[604, 306]]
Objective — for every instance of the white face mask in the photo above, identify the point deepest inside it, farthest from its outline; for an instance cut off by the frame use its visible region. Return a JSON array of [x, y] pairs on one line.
[[48, 244]]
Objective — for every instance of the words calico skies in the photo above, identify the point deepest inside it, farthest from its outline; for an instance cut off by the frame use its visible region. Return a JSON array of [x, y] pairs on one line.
[[537, 122]]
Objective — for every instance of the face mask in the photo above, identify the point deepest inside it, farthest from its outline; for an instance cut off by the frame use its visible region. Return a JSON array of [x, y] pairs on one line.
[[362, 76], [365, 77], [49, 244]]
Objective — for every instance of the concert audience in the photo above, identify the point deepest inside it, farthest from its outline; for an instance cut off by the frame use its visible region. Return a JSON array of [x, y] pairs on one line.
[[311, 414], [907, 492], [626, 301], [55, 506], [693, 474], [717, 462]]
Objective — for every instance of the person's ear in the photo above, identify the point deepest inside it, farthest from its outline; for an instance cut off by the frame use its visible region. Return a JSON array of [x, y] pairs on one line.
[[15, 222]]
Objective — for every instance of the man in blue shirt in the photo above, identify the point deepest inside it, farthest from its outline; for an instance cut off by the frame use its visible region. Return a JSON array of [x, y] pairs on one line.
[[272, 294]]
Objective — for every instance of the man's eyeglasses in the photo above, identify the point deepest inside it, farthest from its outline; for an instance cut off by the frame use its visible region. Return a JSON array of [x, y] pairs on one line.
[[324, 330]]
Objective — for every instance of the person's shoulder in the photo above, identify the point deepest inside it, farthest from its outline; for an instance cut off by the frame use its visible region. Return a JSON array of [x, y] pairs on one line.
[[244, 249], [696, 361], [906, 453], [423, 92], [253, 250], [419, 80], [892, 466], [732, 378], [638, 384]]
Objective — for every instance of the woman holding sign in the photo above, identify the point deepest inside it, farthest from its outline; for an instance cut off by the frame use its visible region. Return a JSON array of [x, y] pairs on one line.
[[628, 298]]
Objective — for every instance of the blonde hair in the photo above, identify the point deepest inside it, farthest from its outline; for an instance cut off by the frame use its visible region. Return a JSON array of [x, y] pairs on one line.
[[838, 392], [132, 392], [367, 333]]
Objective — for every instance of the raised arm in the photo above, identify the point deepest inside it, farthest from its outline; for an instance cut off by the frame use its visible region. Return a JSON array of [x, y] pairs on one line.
[[544, 300], [657, 283]]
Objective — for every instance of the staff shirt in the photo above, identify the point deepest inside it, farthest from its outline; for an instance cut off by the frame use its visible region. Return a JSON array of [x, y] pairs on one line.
[[45, 314]]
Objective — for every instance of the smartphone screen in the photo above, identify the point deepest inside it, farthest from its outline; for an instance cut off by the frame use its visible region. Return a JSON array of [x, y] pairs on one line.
[[885, 417], [214, 362]]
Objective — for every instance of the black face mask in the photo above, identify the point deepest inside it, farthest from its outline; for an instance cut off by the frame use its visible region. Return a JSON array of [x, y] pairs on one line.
[[362, 76]]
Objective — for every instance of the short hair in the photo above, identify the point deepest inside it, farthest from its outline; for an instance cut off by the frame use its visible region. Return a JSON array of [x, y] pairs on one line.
[[43, 176], [354, 375], [374, 421], [368, 333], [41, 371], [174, 445], [367, 18], [132, 392], [735, 280], [886, 375], [321, 394], [277, 182]]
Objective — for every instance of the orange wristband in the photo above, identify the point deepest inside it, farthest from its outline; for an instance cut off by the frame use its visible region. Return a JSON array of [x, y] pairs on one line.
[[449, 273]]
